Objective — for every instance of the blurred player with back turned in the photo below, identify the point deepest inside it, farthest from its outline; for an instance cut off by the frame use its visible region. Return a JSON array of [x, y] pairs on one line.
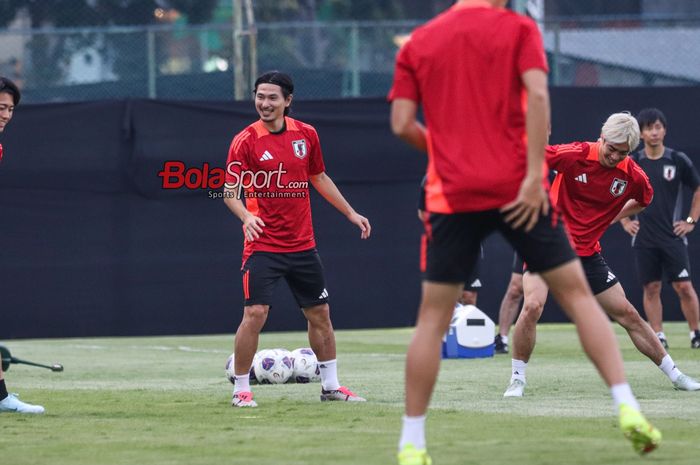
[[473, 68], [9, 99]]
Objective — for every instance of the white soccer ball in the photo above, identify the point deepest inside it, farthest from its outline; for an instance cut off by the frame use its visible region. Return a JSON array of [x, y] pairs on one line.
[[273, 366], [230, 369], [305, 366]]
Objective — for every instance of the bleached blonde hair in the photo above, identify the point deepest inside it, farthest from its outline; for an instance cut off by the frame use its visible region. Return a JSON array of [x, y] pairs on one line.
[[621, 128]]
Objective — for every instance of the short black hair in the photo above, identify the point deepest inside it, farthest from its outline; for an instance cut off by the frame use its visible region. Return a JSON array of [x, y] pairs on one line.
[[279, 79], [9, 87], [649, 116]]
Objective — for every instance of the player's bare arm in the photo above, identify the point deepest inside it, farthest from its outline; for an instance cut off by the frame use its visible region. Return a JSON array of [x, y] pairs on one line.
[[683, 227], [252, 225], [329, 191], [405, 125], [631, 208], [532, 200]]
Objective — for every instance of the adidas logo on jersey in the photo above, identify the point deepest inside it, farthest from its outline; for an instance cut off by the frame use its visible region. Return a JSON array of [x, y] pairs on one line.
[[476, 283], [266, 156], [582, 178], [324, 294], [684, 274], [610, 277]]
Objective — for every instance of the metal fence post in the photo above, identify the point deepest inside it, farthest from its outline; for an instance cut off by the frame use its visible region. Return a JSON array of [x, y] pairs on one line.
[[355, 61], [151, 52], [556, 54]]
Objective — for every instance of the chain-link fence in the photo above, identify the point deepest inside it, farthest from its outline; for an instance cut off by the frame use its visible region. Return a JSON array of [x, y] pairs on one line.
[[327, 60]]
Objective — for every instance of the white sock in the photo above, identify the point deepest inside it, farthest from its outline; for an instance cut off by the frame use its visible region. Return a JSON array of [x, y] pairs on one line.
[[504, 339], [669, 368], [622, 394], [329, 375], [692, 335], [518, 369], [413, 432], [661, 335], [242, 383]]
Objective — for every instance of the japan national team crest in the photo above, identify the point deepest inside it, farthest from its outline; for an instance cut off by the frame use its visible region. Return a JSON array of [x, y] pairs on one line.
[[669, 172], [618, 186], [299, 148]]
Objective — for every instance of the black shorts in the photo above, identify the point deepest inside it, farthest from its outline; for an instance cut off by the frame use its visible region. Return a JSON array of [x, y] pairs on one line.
[[452, 242], [670, 262], [598, 273], [473, 283], [303, 272], [518, 264]]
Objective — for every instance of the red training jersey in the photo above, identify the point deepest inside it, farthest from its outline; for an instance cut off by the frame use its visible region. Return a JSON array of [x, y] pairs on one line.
[[273, 170], [465, 68], [590, 195]]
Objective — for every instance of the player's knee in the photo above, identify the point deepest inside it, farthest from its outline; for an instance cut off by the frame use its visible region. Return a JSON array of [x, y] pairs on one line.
[[515, 291], [318, 315], [652, 289], [684, 289], [532, 309], [628, 316], [255, 314], [469, 298]]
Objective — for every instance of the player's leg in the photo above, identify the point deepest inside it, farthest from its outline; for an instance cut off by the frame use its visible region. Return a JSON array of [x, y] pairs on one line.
[[677, 262], [546, 250], [649, 268], [525, 333], [308, 285], [611, 297], [689, 307], [11, 403], [654, 310], [261, 272], [509, 306], [615, 303], [448, 258]]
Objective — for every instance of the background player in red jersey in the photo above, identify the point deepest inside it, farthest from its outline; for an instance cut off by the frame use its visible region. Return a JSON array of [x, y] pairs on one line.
[[9, 99], [472, 69], [660, 242], [271, 162], [597, 184]]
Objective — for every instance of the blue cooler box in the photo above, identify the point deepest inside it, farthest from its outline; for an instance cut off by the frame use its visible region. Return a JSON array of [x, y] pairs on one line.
[[470, 334]]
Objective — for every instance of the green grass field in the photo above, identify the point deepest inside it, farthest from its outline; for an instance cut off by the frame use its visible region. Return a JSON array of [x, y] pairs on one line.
[[165, 401]]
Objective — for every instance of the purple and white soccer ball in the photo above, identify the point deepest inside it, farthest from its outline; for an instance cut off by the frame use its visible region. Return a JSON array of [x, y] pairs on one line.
[[305, 365], [230, 367], [273, 366]]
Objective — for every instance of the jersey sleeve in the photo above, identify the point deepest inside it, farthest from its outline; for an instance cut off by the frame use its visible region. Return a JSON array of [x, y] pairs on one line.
[[562, 157], [237, 159], [531, 51], [316, 164], [405, 84], [689, 174], [644, 193]]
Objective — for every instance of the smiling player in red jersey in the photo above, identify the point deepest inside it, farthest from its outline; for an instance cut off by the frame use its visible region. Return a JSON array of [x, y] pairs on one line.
[[597, 184], [271, 163], [9, 99]]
